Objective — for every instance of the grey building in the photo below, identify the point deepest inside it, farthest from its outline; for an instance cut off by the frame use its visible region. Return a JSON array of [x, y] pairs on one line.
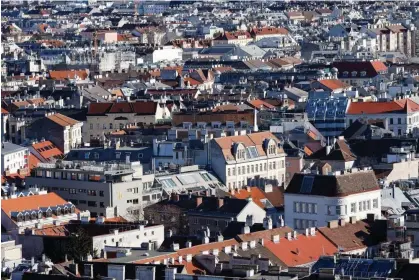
[[103, 189]]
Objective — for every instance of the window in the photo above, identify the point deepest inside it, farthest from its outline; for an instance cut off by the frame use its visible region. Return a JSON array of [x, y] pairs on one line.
[[391, 121], [135, 201], [102, 205], [360, 206], [243, 169], [91, 126], [228, 172], [399, 120], [96, 155], [86, 155], [82, 201], [110, 126], [117, 155], [399, 131], [57, 175], [329, 210], [140, 155], [72, 191], [368, 205], [92, 203], [91, 192], [248, 169], [338, 210], [101, 193], [303, 207], [375, 203], [296, 207], [353, 207], [234, 171]]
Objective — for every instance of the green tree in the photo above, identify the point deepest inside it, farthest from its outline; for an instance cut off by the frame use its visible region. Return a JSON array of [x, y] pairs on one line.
[[80, 245]]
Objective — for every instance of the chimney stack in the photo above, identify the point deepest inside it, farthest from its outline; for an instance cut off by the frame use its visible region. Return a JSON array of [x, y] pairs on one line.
[[220, 203]]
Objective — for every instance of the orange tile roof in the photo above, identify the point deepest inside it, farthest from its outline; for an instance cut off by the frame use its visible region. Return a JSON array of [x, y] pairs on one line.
[[31, 202], [117, 92], [68, 74], [4, 111], [52, 230], [333, 84], [33, 161], [249, 140], [269, 31], [257, 103], [303, 250], [378, 66], [401, 106], [265, 234], [62, 120], [47, 150], [195, 250], [253, 192]]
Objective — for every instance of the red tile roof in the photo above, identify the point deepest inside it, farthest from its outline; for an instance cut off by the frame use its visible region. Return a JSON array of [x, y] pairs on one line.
[[397, 106], [33, 161], [4, 111], [255, 193], [138, 107], [333, 84], [258, 104], [303, 250], [47, 150], [62, 120], [268, 31], [68, 74], [31, 202]]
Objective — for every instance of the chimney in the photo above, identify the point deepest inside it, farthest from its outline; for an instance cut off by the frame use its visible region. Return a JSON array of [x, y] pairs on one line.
[[220, 203], [188, 244], [174, 196], [371, 217], [220, 237], [328, 149], [169, 233], [332, 224], [275, 238], [342, 222], [267, 223], [175, 247], [249, 220], [352, 219], [198, 201], [245, 229]]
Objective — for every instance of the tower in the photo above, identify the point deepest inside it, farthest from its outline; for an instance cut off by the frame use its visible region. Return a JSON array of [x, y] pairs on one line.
[[255, 121]]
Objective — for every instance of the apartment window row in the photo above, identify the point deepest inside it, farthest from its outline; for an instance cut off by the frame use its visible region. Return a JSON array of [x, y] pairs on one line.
[[133, 190], [355, 207], [133, 201], [304, 207], [303, 223], [257, 181], [242, 170], [68, 175]]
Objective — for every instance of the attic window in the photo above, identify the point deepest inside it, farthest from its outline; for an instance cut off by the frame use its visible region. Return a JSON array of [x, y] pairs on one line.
[[345, 73], [354, 73], [363, 73]]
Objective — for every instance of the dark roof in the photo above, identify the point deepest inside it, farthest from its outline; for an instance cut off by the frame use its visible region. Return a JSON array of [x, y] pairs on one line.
[[359, 129], [339, 151], [333, 185], [408, 271], [138, 107], [235, 228], [209, 206], [376, 148], [371, 68]]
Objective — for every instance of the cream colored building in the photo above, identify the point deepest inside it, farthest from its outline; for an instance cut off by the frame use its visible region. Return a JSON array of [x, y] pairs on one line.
[[103, 118], [248, 160]]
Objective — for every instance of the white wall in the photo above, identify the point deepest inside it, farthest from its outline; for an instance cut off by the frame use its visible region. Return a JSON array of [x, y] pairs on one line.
[[322, 202], [14, 161], [131, 238]]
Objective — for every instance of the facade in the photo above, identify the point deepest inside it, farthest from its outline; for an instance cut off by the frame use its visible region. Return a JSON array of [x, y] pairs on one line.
[[216, 213], [165, 53], [103, 118], [249, 160], [14, 159], [103, 189], [36, 208], [400, 116], [328, 114], [314, 200], [63, 131], [235, 38]]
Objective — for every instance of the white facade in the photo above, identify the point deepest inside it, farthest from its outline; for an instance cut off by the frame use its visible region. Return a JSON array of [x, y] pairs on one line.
[[304, 211], [72, 137], [398, 123], [130, 238], [244, 171], [13, 158], [165, 53]]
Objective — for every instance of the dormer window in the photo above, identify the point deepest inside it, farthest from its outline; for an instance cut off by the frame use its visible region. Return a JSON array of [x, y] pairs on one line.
[[272, 149], [354, 73], [345, 73], [33, 215], [363, 73]]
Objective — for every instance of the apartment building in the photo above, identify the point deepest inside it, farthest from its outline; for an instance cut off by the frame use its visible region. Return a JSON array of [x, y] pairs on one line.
[[248, 160], [63, 131], [400, 116], [360, 73], [34, 208], [103, 189], [235, 38], [108, 117], [394, 37], [14, 159], [216, 213], [312, 200]]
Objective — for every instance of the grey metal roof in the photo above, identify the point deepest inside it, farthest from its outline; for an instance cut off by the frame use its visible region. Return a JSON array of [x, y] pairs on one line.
[[8, 148]]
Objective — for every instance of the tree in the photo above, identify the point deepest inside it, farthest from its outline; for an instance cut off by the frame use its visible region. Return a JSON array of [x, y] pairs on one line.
[[80, 244]]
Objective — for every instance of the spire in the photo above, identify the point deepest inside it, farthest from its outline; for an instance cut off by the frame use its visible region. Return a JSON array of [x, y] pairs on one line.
[[255, 121]]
